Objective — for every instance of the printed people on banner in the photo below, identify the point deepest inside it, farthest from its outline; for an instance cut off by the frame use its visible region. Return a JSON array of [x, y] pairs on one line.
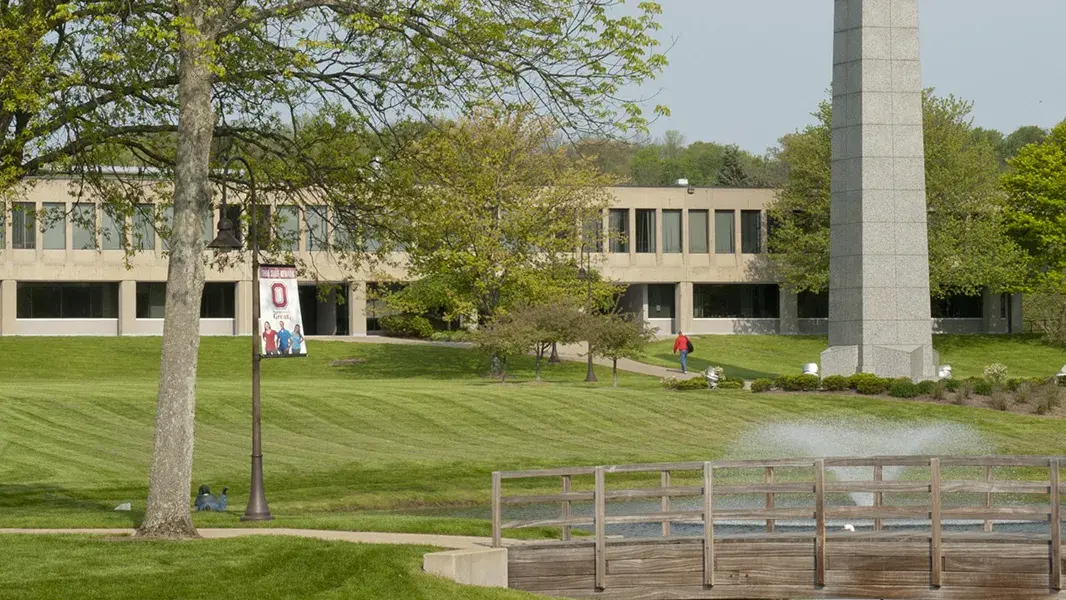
[[270, 340], [284, 338], [297, 340]]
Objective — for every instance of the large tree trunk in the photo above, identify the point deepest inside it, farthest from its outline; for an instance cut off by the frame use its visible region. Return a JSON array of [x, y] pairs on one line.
[[167, 513]]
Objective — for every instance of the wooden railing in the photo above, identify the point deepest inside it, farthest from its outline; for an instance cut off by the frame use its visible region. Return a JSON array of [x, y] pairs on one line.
[[804, 478]]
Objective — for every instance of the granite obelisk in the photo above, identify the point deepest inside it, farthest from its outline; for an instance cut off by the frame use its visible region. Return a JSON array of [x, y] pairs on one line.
[[879, 318]]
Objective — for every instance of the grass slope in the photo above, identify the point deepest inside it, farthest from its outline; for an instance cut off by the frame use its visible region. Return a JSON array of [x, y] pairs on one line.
[[413, 426], [260, 568], [754, 356]]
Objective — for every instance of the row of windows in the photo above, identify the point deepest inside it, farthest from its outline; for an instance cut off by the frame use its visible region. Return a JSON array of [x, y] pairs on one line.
[[959, 306], [100, 300], [673, 238], [100, 229]]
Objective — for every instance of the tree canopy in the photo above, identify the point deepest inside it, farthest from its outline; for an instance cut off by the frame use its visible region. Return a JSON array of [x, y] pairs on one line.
[[968, 245]]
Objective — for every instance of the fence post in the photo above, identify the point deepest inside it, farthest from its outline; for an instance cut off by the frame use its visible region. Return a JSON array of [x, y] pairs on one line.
[[988, 497], [819, 523], [664, 504], [768, 477], [879, 497], [566, 507], [1056, 526], [934, 510], [708, 525], [601, 529], [497, 493]]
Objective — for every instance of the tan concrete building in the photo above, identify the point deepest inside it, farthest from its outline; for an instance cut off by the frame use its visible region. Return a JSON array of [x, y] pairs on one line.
[[693, 260]]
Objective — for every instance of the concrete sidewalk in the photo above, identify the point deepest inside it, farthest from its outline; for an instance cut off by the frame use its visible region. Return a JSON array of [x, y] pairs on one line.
[[455, 542]]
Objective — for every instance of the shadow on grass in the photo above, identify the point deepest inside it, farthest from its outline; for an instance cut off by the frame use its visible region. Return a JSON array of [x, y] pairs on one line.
[[40, 505]]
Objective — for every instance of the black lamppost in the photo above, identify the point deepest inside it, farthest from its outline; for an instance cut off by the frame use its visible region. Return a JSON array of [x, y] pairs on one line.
[[227, 240], [586, 274]]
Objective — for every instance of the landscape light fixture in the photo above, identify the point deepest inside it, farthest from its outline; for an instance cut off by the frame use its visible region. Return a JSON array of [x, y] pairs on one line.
[[226, 240]]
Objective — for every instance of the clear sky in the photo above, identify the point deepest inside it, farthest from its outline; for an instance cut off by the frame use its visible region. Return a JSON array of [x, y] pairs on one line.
[[748, 71]]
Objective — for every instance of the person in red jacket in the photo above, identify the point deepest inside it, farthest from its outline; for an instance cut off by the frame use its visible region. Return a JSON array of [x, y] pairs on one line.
[[682, 345]]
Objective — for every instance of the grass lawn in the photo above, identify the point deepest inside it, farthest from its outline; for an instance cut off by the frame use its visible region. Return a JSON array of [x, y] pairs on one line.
[[348, 447], [258, 568], [754, 356]]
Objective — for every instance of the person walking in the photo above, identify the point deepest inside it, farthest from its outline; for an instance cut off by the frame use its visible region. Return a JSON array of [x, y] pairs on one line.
[[684, 346]]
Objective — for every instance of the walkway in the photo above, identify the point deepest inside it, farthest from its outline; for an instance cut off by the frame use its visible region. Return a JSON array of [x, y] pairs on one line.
[[574, 353], [455, 542]]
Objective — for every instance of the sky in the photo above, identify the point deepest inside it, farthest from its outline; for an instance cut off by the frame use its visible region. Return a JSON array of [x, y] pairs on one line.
[[748, 71]]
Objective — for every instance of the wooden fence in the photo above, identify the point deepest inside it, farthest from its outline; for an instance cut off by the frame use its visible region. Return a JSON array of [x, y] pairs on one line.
[[921, 559]]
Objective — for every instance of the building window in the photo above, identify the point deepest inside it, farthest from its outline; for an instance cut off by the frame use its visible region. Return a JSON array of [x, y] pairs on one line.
[[83, 227], [593, 234], [812, 305], [217, 302], [111, 231], [23, 226], [661, 301], [54, 226], [697, 232], [144, 227], [672, 231], [646, 231], [289, 228], [958, 306], [209, 225], [317, 231], [724, 232], [751, 231], [1004, 305], [619, 230], [772, 225], [67, 301], [736, 301]]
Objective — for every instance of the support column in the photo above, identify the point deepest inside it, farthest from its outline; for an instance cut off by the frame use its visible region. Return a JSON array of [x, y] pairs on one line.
[[993, 312], [357, 308], [7, 307], [789, 307], [658, 236], [631, 242], [1014, 314], [683, 307], [879, 252], [327, 314], [242, 315], [127, 307]]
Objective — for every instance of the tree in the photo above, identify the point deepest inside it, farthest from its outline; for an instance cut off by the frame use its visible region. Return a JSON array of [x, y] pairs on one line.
[[1036, 205], [550, 324], [617, 337], [732, 172], [504, 338], [1022, 137], [500, 216], [176, 83], [968, 246]]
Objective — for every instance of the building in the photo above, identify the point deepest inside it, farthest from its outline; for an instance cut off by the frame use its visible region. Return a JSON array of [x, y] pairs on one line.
[[693, 260]]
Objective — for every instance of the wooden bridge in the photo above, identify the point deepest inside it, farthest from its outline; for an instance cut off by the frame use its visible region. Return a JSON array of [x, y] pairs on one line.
[[915, 527]]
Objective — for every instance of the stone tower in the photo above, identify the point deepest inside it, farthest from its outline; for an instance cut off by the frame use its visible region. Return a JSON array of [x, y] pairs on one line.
[[879, 319]]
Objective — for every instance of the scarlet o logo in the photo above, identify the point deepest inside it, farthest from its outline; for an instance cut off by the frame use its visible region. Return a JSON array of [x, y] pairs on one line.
[[278, 295]]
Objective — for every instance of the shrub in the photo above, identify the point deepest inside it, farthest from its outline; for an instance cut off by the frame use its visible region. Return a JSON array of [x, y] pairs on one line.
[[673, 383], [459, 335], [406, 326], [760, 386], [982, 387], [731, 385], [996, 373], [798, 383], [858, 378], [1023, 393], [872, 386], [903, 388], [835, 383], [926, 388], [939, 390], [952, 385], [999, 400], [965, 390], [1048, 398]]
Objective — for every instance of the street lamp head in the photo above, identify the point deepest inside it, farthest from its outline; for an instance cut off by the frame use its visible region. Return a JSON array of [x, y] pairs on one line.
[[226, 238]]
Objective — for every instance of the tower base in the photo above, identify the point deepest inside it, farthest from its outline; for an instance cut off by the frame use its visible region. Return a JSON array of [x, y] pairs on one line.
[[918, 363]]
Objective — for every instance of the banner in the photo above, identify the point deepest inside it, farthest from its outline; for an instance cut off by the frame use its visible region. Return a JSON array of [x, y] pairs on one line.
[[280, 323]]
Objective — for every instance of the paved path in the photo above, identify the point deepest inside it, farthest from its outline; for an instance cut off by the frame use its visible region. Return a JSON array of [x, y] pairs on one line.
[[456, 542], [575, 353]]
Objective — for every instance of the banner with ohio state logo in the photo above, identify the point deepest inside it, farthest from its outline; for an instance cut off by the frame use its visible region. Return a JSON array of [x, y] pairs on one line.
[[280, 323]]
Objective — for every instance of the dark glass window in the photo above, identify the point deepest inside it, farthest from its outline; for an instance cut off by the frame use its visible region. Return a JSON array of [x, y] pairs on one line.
[[736, 301], [697, 232], [217, 302], [671, 231], [23, 226], [724, 232], [619, 229], [957, 307], [772, 226], [66, 300], [661, 301], [593, 235], [813, 305], [751, 231], [646, 231]]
